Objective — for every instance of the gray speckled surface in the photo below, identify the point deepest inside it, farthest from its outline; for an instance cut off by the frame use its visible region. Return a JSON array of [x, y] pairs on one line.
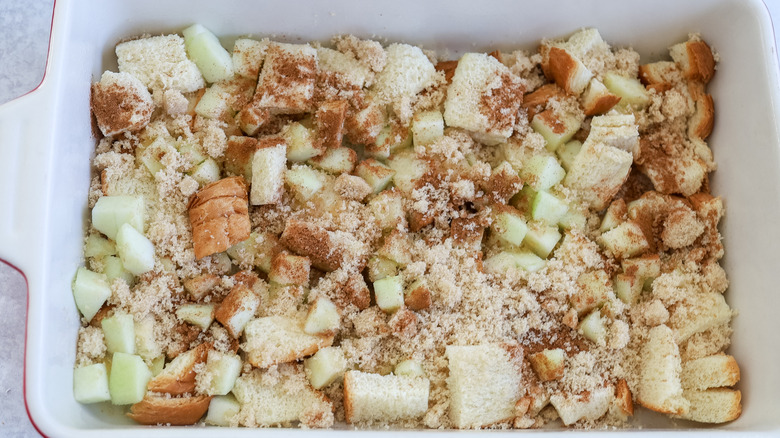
[[24, 35]]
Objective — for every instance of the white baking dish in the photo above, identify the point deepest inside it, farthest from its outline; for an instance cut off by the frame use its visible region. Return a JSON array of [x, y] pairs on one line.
[[46, 143]]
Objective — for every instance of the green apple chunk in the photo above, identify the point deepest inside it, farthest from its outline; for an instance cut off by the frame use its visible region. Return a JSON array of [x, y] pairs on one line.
[[505, 260], [335, 160], [542, 172], [113, 268], [200, 315], [528, 261], [627, 287], [499, 263], [630, 90], [146, 344], [90, 384], [645, 268], [376, 174], [128, 379], [215, 103], [323, 317], [548, 208], [408, 170], [222, 409], [573, 220], [541, 239], [304, 181], [192, 152], [389, 293], [625, 240], [567, 152], [391, 139], [409, 367], [548, 364], [158, 363], [111, 212], [90, 290], [98, 246], [427, 127], [327, 365], [593, 328], [593, 291], [510, 227], [224, 369], [380, 267], [135, 250], [119, 333], [206, 172], [555, 130], [300, 142], [615, 215], [203, 47]]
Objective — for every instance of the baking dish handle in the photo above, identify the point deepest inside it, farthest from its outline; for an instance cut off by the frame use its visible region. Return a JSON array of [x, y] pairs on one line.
[[25, 130]]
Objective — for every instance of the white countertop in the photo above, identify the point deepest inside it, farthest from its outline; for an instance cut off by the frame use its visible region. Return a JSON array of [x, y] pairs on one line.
[[24, 34]]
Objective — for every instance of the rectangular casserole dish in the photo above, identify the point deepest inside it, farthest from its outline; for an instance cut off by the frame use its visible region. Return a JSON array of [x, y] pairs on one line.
[[47, 143]]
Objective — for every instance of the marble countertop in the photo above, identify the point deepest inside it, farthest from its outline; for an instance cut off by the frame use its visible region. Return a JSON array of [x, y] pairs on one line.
[[24, 34]]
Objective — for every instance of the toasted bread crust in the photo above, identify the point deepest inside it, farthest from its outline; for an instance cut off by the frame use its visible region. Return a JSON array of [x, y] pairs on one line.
[[184, 381], [219, 214], [232, 304], [314, 242], [348, 396], [701, 62], [539, 98], [174, 411], [700, 125], [623, 398], [601, 105]]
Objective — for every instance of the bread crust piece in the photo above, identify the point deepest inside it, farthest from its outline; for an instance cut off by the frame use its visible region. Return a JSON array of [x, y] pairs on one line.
[[219, 214], [329, 120], [181, 380], [317, 243], [274, 340], [659, 384], [173, 411], [240, 299], [718, 370], [717, 405], [701, 123], [623, 398], [696, 61], [567, 71]]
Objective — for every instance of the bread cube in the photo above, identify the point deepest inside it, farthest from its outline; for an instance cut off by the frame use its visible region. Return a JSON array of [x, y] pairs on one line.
[[417, 296], [504, 183], [484, 98], [700, 124], [268, 166], [357, 291], [695, 60], [468, 232], [575, 407], [623, 399], [619, 131], [407, 72], [219, 215], [336, 161], [343, 66], [659, 75], [274, 340], [160, 63], [322, 247], [597, 99], [374, 397], [288, 269], [323, 317], [200, 315], [598, 172], [659, 387], [329, 123], [239, 154], [548, 364], [397, 246], [248, 56], [388, 209], [200, 285], [536, 101], [364, 125], [686, 179], [250, 119], [352, 187], [376, 174], [708, 310], [555, 128], [178, 376], [237, 309], [286, 82], [717, 405], [325, 367], [484, 383], [182, 411], [121, 103], [593, 291], [707, 372], [560, 65], [625, 240]]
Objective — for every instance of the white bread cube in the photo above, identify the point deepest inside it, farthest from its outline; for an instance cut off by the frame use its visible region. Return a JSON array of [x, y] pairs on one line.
[[584, 41], [286, 82], [625, 240], [200, 285], [352, 187], [593, 291], [598, 172], [201, 315], [329, 123], [388, 209], [699, 314], [575, 407], [280, 399], [560, 65], [160, 62], [374, 397], [687, 178], [268, 166], [277, 339], [121, 103], [619, 131], [327, 365], [484, 384], [178, 376], [484, 98], [248, 56], [717, 405], [288, 269], [237, 309], [659, 387], [707, 372], [694, 59], [407, 72], [344, 66], [335, 160], [548, 364], [659, 75]]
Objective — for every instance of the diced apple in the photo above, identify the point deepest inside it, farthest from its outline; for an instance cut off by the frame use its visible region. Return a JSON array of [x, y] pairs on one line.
[[645, 268], [389, 293], [327, 365], [548, 364], [505, 260], [567, 152], [427, 127], [98, 246], [135, 250], [593, 291], [111, 212], [113, 268], [630, 90], [573, 220], [625, 240], [615, 215], [380, 267], [203, 47], [335, 160], [396, 246], [206, 172], [528, 261], [215, 103], [152, 155], [409, 367], [128, 379], [304, 181], [388, 209], [90, 291], [555, 129], [593, 328], [192, 152], [393, 137], [300, 142], [222, 409], [146, 344], [408, 170], [542, 172], [158, 363], [224, 369], [323, 317], [289, 269], [541, 239], [119, 333], [376, 174], [627, 287], [548, 208], [90, 384], [510, 227], [201, 315]]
